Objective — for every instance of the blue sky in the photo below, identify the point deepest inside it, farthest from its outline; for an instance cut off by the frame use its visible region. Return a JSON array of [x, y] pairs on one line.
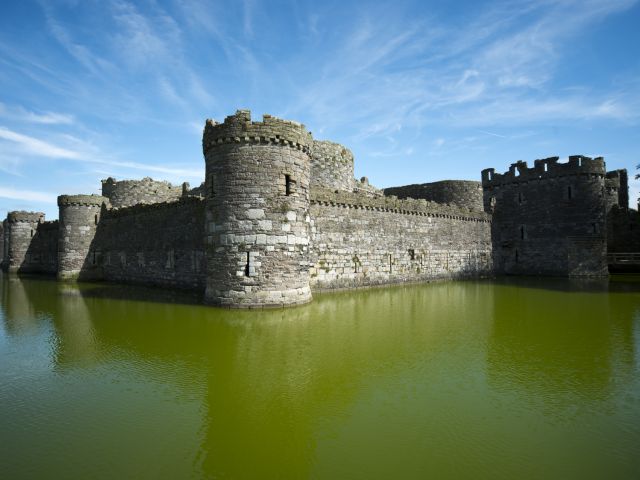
[[419, 91]]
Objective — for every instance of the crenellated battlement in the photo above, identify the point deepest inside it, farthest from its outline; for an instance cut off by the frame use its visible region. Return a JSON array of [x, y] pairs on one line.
[[49, 226], [24, 216], [239, 128], [142, 208], [82, 200], [543, 169]]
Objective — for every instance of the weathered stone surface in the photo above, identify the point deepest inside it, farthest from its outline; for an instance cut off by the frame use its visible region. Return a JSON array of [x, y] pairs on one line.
[[126, 193], [549, 219], [30, 243], [331, 166], [159, 244], [360, 243], [79, 218], [257, 177]]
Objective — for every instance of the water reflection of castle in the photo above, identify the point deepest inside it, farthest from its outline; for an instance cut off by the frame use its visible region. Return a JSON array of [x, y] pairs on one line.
[[282, 385]]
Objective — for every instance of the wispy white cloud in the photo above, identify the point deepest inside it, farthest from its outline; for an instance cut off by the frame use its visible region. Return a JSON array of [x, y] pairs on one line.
[[26, 195], [34, 146], [87, 153], [496, 70], [24, 115]]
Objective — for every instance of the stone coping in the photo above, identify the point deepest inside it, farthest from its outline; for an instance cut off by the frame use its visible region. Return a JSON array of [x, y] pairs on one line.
[[24, 216], [86, 200]]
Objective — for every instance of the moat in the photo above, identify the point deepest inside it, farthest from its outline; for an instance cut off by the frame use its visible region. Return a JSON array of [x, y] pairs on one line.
[[510, 378]]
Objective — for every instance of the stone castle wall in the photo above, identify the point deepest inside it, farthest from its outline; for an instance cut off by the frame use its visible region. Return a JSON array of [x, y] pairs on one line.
[[623, 230], [463, 193], [280, 215], [361, 241], [549, 219], [42, 254], [126, 193], [331, 166], [160, 244]]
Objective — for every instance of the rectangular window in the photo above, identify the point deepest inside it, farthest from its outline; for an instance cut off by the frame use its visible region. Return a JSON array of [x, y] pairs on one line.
[[412, 254], [248, 265], [212, 186], [522, 233], [569, 192], [594, 227], [287, 185]]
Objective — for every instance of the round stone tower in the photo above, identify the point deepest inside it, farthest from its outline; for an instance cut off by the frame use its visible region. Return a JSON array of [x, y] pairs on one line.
[[257, 211], [79, 217], [21, 226], [331, 166]]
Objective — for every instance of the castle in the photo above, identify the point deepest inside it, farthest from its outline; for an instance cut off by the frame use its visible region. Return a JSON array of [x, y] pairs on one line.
[[280, 215]]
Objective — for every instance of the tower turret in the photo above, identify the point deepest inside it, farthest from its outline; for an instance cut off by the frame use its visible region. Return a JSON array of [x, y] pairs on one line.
[[79, 217], [257, 211], [20, 229]]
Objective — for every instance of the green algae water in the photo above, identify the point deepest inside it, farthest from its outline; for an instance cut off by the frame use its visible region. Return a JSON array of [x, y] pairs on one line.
[[526, 379]]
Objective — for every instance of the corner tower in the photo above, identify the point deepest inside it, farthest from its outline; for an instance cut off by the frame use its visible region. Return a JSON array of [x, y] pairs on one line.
[[549, 219], [257, 211], [20, 229], [79, 217]]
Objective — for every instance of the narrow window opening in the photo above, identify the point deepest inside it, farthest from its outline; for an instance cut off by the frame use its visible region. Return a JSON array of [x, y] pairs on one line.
[[580, 162], [212, 186], [594, 227], [32, 232], [96, 219], [546, 167], [521, 232], [519, 197], [287, 185], [517, 256], [246, 267], [412, 254], [569, 192], [489, 176]]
